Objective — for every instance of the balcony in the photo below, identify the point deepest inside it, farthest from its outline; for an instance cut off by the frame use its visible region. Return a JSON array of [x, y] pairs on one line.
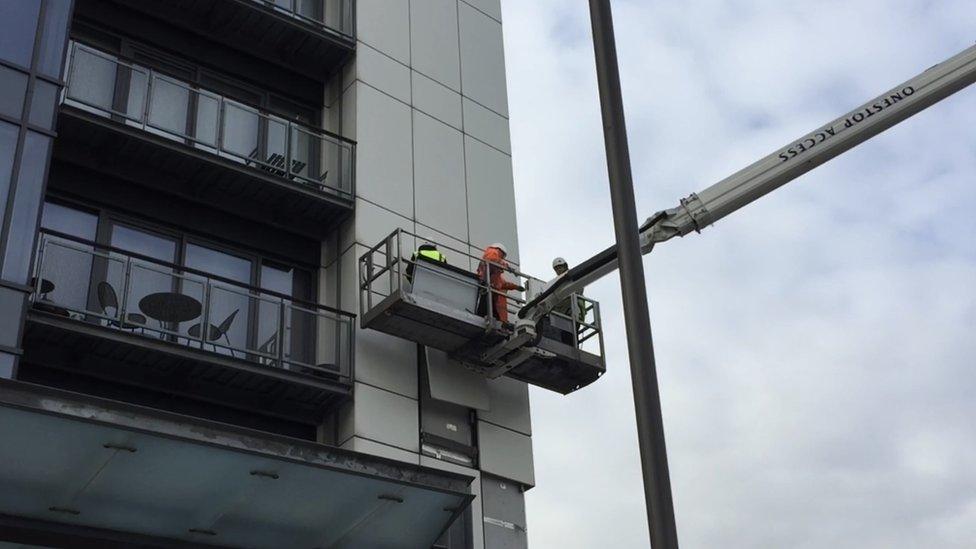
[[98, 312], [138, 124], [313, 37]]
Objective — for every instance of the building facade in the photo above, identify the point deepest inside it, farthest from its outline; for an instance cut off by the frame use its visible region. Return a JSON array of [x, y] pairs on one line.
[[190, 192]]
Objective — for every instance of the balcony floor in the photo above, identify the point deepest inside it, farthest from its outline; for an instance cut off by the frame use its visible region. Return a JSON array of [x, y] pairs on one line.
[[143, 158], [119, 364]]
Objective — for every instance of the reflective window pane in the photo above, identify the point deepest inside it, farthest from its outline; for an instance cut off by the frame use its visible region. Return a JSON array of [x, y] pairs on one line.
[[63, 219], [270, 312], [311, 9], [43, 104], [145, 278], [218, 263], [277, 279], [26, 208], [8, 146], [66, 266], [228, 305], [13, 87], [144, 243], [52, 42], [18, 24]]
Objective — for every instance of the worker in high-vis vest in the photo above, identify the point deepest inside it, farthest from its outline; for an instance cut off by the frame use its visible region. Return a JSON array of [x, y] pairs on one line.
[[427, 251]]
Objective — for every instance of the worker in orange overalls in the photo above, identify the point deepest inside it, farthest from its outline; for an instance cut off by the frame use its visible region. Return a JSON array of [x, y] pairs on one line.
[[493, 259]]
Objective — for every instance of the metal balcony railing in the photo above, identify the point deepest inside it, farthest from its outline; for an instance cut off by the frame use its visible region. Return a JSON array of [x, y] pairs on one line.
[[140, 97], [332, 15], [99, 284]]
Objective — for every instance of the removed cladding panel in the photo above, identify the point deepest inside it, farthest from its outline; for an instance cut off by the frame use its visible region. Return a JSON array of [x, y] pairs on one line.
[[451, 382]]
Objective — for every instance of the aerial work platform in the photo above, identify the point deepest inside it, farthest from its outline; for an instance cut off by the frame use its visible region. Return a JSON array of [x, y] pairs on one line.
[[446, 306]]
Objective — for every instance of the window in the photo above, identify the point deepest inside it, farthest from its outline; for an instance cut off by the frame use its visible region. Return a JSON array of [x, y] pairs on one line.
[[66, 268], [143, 243], [8, 146], [228, 306], [118, 289], [13, 87], [43, 104], [67, 220], [298, 321], [52, 42], [26, 207], [19, 26]]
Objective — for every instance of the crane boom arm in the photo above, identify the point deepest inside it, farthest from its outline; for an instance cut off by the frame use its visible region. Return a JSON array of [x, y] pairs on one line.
[[702, 209]]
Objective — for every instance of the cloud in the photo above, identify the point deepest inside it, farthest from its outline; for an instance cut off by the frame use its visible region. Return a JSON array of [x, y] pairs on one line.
[[815, 350]]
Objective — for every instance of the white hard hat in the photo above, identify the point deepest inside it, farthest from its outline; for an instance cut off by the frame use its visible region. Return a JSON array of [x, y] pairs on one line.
[[500, 247], [559, 261]]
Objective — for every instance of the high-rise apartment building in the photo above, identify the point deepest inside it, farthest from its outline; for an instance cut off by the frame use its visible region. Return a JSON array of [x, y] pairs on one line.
[[199, 203]]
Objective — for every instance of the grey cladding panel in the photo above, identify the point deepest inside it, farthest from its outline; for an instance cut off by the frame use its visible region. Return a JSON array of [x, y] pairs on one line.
[[508, 405], [505, 453], [503, 504]]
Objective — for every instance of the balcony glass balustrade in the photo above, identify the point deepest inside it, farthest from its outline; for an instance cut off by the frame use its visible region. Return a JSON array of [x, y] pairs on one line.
[[103, 84], [98, 284], [331, 15]]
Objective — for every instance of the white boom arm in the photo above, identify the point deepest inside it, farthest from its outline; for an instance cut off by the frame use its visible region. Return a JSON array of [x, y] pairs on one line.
[[700, 210]]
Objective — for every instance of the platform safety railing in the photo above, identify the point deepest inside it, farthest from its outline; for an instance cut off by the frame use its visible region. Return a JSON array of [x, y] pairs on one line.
[[99, 284], [104, 84], [387, 268]]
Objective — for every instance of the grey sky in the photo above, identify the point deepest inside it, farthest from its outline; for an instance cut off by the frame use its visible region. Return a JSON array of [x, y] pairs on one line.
[[815, 349]]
